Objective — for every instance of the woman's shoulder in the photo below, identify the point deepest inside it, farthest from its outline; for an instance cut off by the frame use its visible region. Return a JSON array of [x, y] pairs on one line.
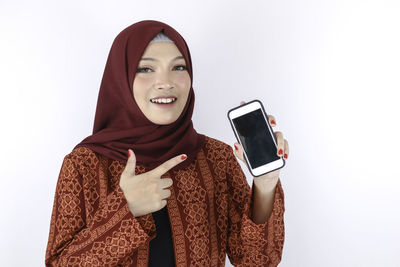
[[215, 146], [213, 143], [82, 155]]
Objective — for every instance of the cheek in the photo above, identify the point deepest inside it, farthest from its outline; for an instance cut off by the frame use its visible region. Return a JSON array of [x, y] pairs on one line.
[[183, 81], [140, 89]]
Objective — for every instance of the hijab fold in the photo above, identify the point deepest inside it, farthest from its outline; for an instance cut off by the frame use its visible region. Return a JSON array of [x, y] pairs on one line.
[[119, 123]]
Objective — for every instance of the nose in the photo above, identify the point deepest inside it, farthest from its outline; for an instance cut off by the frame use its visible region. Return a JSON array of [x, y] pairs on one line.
[[163, 81]]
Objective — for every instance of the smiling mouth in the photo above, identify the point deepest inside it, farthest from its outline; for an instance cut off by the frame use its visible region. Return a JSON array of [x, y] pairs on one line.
[[161, 100]]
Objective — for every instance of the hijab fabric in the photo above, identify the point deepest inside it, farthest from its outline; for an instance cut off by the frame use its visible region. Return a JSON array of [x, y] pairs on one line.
[[119, 123]]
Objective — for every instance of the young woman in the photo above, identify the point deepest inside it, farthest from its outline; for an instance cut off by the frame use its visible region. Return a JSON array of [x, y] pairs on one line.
[[145, 189]]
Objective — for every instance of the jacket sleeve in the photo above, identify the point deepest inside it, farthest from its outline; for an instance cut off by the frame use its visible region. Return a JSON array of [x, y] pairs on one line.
[[251, 244], [106, 237]]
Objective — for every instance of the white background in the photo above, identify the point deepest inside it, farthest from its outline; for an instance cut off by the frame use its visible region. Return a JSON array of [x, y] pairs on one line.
[[328, 70]]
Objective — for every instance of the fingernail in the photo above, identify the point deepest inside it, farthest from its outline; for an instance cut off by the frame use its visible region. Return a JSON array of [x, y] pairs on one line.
[[273, 122], [129, 153], [236, 147], [280, 152], [183, 157], [285, 156]]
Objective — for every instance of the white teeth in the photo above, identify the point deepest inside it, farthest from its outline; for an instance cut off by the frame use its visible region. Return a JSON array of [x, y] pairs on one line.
[[163, 100]]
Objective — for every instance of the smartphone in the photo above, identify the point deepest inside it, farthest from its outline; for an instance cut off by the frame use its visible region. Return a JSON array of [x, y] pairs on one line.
[[252, 130]]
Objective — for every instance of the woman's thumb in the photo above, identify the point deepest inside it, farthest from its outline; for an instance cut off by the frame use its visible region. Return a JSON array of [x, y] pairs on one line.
[[131, 163]]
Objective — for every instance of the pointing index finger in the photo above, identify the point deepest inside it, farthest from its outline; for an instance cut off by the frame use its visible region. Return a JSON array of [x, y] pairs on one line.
[[169, 164]]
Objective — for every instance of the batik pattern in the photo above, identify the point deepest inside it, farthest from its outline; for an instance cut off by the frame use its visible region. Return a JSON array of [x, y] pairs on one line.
[[209, 211]]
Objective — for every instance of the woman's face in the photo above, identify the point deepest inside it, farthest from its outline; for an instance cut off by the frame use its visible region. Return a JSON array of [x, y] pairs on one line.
[[162, 83]]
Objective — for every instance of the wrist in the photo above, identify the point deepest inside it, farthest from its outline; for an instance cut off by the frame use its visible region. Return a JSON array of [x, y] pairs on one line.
[[265, 184]]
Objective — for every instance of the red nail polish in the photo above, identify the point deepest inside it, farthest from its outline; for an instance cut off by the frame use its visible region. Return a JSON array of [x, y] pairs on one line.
[[285, 156], [236, 147], [129, 153], [280, 152], [273, 122], [183, 157]]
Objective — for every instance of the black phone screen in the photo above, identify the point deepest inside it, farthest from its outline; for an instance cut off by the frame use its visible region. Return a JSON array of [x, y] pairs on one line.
[[256, 139]]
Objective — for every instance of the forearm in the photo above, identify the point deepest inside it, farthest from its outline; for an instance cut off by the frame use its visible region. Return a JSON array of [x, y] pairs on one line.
[[263, 199]]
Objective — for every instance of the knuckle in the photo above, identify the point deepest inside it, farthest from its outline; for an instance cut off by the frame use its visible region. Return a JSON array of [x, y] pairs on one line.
[[157, 196], [153, 186], [163, 168]]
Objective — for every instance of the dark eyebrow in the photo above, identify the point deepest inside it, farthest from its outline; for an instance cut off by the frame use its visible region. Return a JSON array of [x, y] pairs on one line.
[[147, 58], [178, 57], [153, 59]]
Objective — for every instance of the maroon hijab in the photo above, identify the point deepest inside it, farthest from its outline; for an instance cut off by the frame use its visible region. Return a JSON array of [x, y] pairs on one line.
[[119, 123]]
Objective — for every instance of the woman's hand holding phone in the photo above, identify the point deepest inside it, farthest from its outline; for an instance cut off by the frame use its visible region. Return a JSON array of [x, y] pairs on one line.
[[262, 150], [282, 150]]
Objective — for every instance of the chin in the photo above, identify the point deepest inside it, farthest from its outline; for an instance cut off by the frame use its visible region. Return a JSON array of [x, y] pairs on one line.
[[163, 121]]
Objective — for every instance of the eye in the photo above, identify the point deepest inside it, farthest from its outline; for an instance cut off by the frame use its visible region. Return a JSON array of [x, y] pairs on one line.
[[145, 69], [180, 67]]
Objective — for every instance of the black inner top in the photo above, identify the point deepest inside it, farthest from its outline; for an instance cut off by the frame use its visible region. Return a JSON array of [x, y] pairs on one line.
[[161, 247]]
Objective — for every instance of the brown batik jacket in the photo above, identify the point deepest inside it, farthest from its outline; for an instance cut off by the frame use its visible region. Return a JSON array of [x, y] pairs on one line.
[[209, 210]]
